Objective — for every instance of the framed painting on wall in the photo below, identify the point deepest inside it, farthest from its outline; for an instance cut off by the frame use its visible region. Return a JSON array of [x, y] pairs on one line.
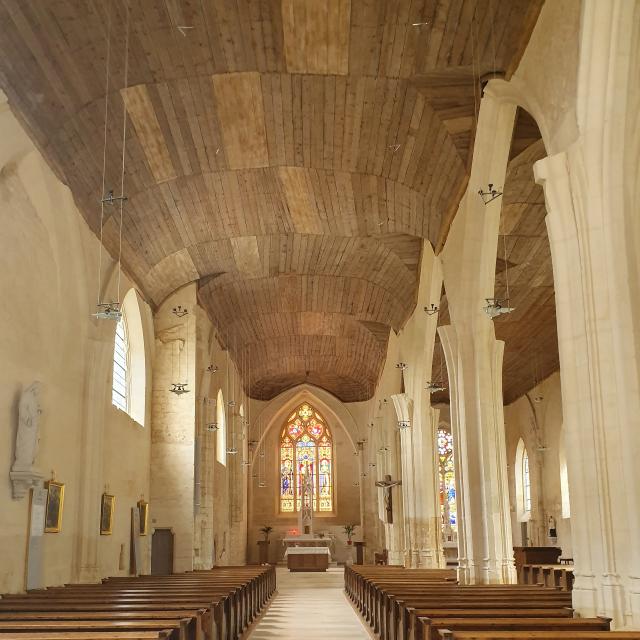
[[143, 508], [106, 514], [53, 509]]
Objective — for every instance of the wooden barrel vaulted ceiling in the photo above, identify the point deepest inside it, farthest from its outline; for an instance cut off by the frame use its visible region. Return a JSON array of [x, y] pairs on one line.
[[288, 155]]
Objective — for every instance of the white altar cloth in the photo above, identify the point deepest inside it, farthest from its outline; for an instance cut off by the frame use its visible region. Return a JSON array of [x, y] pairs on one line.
[[313, 551]]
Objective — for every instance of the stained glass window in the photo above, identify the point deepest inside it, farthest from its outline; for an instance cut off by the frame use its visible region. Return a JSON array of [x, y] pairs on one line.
[[306, 447], [448, 507]]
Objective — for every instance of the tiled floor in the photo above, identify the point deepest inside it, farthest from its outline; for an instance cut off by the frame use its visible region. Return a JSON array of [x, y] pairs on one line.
[[310, 606]]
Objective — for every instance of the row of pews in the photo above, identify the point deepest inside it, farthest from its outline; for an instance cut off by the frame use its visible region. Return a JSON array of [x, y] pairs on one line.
[[549, 575], [426, 604], [203, 605]]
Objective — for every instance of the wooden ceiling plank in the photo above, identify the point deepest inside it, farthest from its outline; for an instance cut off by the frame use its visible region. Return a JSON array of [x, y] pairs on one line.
[[240, 110], [145, 121]]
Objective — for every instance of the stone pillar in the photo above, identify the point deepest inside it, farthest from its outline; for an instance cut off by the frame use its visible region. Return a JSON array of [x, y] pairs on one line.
[[474, 364], [592, 194], [173, 435], [404, 411], [474, 359], [417, 442]]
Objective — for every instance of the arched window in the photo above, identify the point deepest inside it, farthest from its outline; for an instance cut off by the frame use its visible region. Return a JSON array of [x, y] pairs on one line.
[[306, 447], [526, 482], [129, 386], [120, 381], [446, 470], [523, 482], [564, 483], [221, 433]]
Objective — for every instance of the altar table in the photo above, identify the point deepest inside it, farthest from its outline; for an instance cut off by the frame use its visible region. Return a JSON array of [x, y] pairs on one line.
[[307, 558]]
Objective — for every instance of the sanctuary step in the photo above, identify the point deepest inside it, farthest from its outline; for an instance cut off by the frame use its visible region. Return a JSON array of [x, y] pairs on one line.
[[204, 605]]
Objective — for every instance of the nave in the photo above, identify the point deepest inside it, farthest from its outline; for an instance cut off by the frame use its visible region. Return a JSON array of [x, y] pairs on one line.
[[312, 606], [359, 276]]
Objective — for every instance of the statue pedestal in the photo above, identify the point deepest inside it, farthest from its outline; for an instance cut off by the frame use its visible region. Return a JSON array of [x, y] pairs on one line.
[[24, 479]]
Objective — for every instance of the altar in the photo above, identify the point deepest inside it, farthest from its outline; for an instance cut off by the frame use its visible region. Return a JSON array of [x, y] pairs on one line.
[[307, 558], [307, 552]]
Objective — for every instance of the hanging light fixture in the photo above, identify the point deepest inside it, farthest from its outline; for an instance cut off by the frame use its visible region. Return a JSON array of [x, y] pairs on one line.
[[434, 386], [499, 306], [113, 310], [180, 388], [490, 194]]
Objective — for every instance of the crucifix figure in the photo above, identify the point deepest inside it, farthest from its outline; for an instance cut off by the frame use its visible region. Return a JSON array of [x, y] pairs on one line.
[[386, 485], [306, 501]]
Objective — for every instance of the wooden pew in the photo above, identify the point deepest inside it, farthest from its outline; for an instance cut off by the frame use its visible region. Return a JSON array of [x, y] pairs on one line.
[[180, 629], [422, 619], [446, 634], [85, 635], [392, 602], [430, 626], [216, 605]]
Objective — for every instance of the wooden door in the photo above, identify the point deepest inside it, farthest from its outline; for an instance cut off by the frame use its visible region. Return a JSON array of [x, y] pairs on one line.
[[162, 552]]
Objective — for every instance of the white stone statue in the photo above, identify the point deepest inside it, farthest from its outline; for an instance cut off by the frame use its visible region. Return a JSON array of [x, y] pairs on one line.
[[23, 474]]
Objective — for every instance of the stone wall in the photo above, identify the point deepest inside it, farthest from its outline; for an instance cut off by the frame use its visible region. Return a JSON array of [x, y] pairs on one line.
[[49, 259], [537, 419]]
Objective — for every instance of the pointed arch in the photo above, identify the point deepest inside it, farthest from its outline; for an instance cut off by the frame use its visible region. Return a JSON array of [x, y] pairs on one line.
[[129, 379], [523, 482]]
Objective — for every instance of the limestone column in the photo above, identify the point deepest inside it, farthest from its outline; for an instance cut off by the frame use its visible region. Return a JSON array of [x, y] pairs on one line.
[[417, 442], [173, 428], [592, 194], [474, 359]]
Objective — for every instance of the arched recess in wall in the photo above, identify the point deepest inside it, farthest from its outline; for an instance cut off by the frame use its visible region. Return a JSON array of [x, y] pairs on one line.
[[221, 433], [523, 483], [276, 411], [564, 482], [129, 377]]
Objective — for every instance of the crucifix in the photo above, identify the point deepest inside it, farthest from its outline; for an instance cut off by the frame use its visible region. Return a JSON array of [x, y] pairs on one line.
[[386, 485], [306, 501]]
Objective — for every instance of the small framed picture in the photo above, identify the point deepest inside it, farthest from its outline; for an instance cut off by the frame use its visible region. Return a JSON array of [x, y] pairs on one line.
[[53, 510], [143, 509], [106, 514]]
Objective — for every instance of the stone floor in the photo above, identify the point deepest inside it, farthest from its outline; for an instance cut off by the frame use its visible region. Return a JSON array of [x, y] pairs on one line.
[[310, 606]]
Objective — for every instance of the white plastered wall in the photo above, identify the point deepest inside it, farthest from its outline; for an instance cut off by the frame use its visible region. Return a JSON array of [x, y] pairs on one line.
[[537, 420], [49, 262]]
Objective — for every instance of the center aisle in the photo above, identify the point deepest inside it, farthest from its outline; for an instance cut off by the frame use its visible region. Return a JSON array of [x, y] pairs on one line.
[[310, 606]]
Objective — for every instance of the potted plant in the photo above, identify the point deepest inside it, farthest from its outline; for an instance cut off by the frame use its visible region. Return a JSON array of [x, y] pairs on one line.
[[265, 531], [263, 545], [349, 529]]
